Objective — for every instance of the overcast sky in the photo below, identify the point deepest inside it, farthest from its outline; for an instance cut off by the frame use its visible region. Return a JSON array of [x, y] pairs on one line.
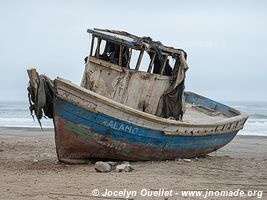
[[226, 41]]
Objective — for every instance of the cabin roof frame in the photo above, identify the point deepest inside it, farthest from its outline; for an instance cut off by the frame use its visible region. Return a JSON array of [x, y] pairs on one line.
[[132, 41]]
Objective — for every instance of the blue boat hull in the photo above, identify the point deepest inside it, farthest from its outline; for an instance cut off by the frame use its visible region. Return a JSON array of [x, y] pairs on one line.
[[84, 134]]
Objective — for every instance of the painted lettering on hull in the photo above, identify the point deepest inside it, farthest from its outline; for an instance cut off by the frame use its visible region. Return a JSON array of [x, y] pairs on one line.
[[119, 126], [106, 121]]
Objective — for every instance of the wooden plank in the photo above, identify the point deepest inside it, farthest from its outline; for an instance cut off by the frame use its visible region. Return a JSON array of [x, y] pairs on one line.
[[33, 76], [139, 59], [92, 45], [135, 44], [129, 59], [170, 49], [105, 64], [163, 66], [151, 63], [120, 55], [98, 47]]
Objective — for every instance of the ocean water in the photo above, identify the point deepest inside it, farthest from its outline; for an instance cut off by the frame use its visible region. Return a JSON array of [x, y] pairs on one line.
[[17, 114], [257, 121]]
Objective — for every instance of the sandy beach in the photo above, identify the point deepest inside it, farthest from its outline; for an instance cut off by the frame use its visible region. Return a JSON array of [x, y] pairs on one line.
[[29, 170]]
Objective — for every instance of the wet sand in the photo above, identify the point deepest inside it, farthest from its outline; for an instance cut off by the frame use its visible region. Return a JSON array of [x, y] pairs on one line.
[[29, 170]]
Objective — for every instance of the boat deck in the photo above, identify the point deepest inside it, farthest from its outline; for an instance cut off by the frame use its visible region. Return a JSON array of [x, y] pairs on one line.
[[201, 115]]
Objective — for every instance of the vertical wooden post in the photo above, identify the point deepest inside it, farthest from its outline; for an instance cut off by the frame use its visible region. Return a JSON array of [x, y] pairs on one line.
[[33, 76], [120, 55], [129, 59], [151, 63], [175, 63], [92, 45], [139, 59], [98, 47], [164, 64]]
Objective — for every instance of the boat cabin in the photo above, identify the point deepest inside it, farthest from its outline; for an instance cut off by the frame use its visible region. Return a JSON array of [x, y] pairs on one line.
[[111, 70]]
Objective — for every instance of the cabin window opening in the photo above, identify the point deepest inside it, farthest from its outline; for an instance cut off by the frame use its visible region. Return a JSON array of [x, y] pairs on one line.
[[171, 61], [157, 64], [161, 64], [169, 66], [111, 53], [102, 47], [114, 53], [145, 62], [134, 58], [93, 46]]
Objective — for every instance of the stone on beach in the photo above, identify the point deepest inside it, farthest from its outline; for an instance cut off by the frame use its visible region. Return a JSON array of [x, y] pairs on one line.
[[124, 167], [187, 160], [102, 167], [112, 164], [109, 166]]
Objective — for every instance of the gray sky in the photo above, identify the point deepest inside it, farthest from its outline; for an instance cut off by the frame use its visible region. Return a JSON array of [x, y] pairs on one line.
[[226, 41]]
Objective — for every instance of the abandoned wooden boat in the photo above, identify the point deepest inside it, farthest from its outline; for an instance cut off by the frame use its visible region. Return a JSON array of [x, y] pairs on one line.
[[126, 111]]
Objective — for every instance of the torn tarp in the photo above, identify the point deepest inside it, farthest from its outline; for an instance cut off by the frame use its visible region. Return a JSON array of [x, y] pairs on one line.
[[172, 102], [41, 98]]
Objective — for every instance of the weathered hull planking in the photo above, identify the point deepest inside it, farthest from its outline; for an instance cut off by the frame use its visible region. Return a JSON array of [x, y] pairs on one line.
[[83, 134]]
